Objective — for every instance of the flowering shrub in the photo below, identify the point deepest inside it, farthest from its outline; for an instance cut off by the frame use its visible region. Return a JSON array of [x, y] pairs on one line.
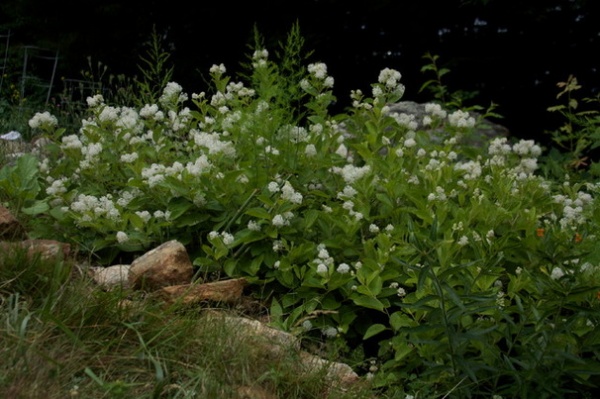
[[440, 266]]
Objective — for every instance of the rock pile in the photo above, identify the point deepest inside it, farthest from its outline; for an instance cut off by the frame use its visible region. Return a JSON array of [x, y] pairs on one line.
[[166, 273]]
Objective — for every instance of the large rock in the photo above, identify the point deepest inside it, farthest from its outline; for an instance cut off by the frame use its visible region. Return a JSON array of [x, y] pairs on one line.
[[10, 228], [45, 249], [165, 265], [484, 131]]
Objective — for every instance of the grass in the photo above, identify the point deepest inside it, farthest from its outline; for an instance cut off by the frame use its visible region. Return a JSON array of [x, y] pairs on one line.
[[62, 336]]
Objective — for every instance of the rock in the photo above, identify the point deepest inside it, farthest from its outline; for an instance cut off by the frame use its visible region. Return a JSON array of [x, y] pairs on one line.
[[484, 131], [168, 264], [10, 228], [225, 291], [45, 249], [278, 343], [112, 276]]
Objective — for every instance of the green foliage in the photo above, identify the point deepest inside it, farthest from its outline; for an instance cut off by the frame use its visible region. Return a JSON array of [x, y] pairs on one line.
[[437, 88], [438, 267], [154, 70], [578, 137]]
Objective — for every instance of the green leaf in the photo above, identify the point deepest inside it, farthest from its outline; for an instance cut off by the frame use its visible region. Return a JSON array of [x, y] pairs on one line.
[[374, 330], [37, 208], [178, 206], [368, 302], [310, 216], [258, 212], [400, 319]]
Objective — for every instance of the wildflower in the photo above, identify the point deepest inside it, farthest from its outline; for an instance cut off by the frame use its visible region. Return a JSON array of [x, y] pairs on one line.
[[42, 120], [307, 325], [578, 237], [279, 221], [557, 273], [144, 215], [373, 228], [273, 187], [129, 158], [464, 240], [227, 238], [540, 232], [343, 268], [122, 237], [318, 70], [218, 69], [288, 193], [310, 150], [322, 268], [330, 332], [213, 234], [253, 225], [389, 77], [401, 292]]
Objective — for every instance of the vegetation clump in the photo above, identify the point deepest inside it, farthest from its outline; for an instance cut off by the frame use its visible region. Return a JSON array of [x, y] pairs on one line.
[[433, 268]]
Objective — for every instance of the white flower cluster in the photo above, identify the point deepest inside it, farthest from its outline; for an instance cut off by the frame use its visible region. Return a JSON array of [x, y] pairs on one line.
[[526, 151], [226, 237], [57, 186], [461, 119], [281, 220], [212, 141], [91, 153], [152, 112], [574, 209], [324, 260], [95, 101], [289, 194], [90, 207], [71, 141], [472, 169], [259, 58], [390, 80], [389, 77], [172, 95], [351, 173], [408, 121], [43, 120], [318, 71]]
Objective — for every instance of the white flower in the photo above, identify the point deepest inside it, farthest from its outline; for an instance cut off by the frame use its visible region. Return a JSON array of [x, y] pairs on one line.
[[213, 234], [253, 225], [557, 273], [318, 70], [279, 221], [330, 332], [122, 237], [410, 143], [307, 325], [373, 228], [343, 268], [310, 150], [322, 268], [227, 238], [464, 240], [129, 158], [43, 119]]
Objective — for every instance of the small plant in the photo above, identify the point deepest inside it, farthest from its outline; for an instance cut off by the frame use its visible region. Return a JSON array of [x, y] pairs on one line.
[[579, 136]]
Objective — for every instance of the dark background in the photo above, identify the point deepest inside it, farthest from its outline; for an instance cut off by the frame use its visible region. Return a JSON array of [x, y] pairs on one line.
[[512, 52]]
